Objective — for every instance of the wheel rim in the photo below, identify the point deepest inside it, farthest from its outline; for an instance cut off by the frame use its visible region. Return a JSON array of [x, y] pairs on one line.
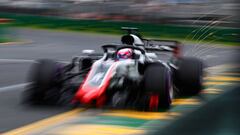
[[171, 94], [170, 89]]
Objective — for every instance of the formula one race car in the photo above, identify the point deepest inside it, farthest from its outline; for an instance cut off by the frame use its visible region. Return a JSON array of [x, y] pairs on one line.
[[130, 74]]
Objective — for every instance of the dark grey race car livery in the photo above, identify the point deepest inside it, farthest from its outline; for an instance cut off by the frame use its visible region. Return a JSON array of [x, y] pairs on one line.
[[134, 74]]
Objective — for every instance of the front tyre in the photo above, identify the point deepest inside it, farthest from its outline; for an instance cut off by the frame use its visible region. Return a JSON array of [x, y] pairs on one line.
[[158, 84], [44, 86]]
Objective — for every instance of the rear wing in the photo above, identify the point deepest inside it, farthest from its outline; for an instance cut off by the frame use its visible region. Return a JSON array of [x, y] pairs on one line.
[[163, 46], [130, 30]]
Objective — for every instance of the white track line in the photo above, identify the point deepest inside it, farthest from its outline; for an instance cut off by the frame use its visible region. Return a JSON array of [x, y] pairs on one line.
[[13, 87], [17, 60], [25, 61]]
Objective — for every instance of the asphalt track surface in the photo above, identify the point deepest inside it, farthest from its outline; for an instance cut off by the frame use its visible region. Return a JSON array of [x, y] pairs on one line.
[[15, 61]]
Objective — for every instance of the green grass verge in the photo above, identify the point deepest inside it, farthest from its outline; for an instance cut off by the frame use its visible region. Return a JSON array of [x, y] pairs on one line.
[[207, 35], [4, 40], [3, 34]]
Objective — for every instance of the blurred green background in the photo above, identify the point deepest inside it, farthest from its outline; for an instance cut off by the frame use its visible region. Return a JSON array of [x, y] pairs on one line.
[[207, 21], [189, 33]]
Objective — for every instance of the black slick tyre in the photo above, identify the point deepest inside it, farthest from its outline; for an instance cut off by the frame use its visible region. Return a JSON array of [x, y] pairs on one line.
[[189, 76], [157, 81], [43, 87]]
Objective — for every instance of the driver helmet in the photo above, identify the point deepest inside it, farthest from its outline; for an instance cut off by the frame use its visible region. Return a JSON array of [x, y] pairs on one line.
[[124, 54]]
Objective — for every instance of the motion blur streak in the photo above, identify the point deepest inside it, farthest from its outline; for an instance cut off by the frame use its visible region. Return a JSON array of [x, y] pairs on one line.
[[142, 115], [13, 87], [61, 29], [98, 130], [44, 123]]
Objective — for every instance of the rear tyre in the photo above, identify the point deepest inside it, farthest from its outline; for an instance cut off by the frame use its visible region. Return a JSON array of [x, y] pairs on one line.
[[158, 83], [44, 85], [189, 76]]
